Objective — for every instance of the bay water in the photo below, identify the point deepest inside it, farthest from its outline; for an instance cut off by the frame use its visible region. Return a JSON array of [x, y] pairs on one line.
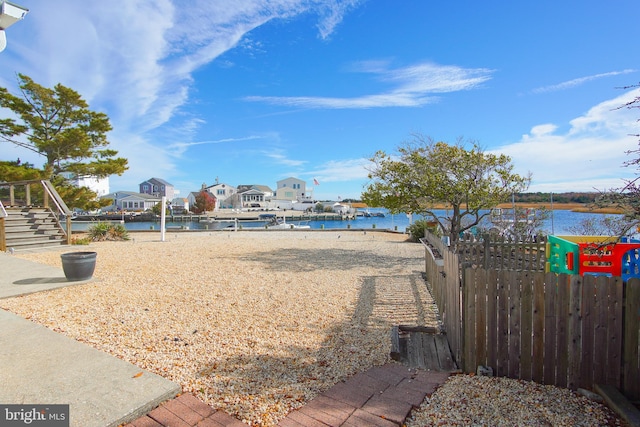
[[559, 223]]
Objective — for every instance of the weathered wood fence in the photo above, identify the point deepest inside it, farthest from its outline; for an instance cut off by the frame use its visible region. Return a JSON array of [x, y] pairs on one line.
[[569, 331]]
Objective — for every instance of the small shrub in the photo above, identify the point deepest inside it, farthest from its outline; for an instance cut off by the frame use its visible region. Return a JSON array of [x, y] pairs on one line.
[[106, 231], [417, 229], [80, 240]]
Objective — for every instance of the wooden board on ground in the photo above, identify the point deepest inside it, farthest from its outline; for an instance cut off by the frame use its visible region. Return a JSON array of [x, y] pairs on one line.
[[421, 347]]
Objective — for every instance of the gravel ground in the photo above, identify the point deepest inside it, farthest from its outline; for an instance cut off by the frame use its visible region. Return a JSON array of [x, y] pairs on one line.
[[257, 323], [467, 400], [254, 323]]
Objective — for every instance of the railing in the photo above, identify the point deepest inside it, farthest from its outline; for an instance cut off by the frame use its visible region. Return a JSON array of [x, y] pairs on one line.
[[569, 331], [45, 195]]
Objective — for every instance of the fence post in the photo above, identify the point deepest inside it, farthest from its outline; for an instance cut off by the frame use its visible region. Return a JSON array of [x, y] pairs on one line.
[[487, 251]]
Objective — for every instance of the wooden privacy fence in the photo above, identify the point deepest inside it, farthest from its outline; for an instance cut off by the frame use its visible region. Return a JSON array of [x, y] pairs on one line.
[[569, 331], [502, 253]]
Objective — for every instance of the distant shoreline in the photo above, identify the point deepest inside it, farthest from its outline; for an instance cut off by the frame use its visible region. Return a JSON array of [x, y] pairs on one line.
[[574, 207]]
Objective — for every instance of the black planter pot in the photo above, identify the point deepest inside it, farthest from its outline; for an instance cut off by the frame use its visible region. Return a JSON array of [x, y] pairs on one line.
[[78, 265]]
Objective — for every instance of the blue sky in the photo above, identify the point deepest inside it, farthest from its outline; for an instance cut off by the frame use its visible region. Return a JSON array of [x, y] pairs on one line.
[[251, 92]]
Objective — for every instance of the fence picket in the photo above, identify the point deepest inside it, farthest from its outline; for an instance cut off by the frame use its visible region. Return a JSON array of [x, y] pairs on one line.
[[631, 351], [492, 317], [514, 324], [550, 342], [526, 326], [614, 328], [537, 370], [562, 320], [502, 365], [481, 313], [600, 331], [575, 334]]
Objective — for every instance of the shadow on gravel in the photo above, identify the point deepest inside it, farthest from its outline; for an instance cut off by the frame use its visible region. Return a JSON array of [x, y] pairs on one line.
[[312, 259]]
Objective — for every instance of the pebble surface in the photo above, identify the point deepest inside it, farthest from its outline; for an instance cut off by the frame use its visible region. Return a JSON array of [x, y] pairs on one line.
[[254, 323], [258, 323]]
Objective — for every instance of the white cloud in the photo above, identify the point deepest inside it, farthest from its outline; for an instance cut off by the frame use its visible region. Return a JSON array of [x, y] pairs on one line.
[[413, 85], [134, 59], [179, 148], [576, 82], [332, 13], [587, 157], [340, 171], [281, 159]]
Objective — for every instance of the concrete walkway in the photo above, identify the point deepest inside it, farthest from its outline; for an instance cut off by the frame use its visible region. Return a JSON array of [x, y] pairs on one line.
[[40, 366], [22, 277]]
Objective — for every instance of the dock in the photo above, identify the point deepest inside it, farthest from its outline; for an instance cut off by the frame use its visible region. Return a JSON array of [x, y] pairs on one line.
[[219, 215]]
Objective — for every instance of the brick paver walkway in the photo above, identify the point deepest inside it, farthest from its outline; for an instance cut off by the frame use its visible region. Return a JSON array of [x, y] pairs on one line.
[[383, 396]]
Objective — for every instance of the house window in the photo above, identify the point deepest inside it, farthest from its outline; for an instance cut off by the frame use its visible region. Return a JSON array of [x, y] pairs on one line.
[[220, 192]]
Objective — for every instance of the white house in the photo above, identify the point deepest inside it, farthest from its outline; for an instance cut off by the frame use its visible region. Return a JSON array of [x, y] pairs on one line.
[[131, 201], [293, 189], [100, 186], [224, 195]]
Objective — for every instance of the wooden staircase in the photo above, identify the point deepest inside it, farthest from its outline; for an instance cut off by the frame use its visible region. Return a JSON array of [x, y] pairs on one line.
[[32, 227], [29, 218]]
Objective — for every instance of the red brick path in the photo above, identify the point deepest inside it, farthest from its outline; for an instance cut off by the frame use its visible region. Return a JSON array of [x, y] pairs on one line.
[[383, 396]]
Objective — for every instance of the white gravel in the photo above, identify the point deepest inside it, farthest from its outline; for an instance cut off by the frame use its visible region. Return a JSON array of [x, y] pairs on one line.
[[256, 323]]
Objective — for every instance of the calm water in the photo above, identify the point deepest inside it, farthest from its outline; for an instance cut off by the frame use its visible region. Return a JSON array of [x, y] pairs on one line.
[[559, 225]]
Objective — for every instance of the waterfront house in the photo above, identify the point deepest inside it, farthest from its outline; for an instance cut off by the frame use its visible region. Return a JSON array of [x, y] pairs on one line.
[[224, 195], [293, 189], [157, 187], [252, 198], [130, 201]]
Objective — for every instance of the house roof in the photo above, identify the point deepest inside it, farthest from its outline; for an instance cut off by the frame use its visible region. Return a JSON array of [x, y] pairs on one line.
[[291, 178], [263, 188], [252, 191], [158, 181], [129, 194]]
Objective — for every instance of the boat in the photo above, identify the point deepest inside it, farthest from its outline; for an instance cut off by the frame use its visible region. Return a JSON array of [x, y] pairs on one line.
[[220, 224], [281, 224]]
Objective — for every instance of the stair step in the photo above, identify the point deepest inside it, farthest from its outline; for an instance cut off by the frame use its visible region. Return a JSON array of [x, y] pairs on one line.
[[34, 227]]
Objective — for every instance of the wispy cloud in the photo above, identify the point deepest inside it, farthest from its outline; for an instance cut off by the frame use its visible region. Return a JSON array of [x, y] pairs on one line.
[[181, 147], [413, 87], [340, 170], [282, 159], [332, 13], [135, 60], [579, 81]]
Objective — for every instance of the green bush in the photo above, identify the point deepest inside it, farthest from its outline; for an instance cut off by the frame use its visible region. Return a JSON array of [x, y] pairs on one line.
[[107, 231], [417, 229]]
